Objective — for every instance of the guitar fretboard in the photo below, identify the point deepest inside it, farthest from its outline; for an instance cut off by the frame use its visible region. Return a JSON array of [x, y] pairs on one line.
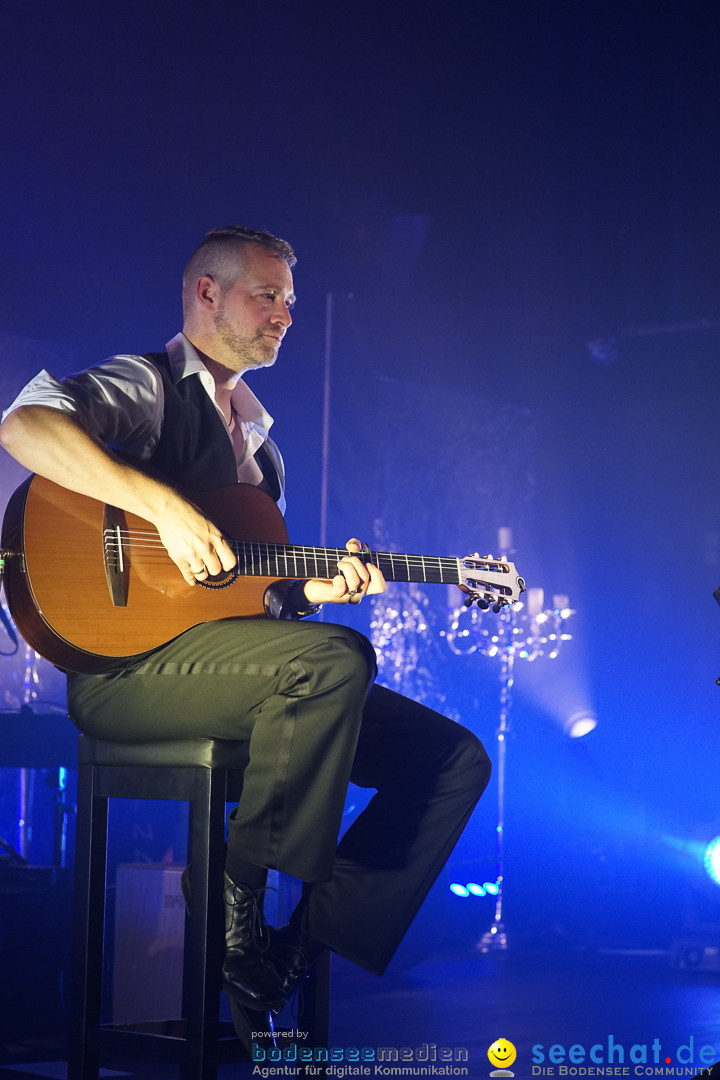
[[258, 558]]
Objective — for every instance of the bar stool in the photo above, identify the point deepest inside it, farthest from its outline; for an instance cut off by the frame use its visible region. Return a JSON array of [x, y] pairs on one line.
[[206, 773]]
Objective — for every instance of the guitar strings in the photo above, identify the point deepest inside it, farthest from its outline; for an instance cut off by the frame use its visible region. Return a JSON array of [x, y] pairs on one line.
[[268, 558], [148, 540]]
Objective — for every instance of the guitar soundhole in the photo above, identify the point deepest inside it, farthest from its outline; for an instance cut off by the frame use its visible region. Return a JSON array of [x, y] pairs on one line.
[[220, 581]]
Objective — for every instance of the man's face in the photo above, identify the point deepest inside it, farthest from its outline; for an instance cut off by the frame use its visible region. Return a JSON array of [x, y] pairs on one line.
[[254, 314]]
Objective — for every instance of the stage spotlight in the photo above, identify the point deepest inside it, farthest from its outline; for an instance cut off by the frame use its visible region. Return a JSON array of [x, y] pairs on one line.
[[711, 860], [580, 723], [488, 888], [475, 889], [697, 946]]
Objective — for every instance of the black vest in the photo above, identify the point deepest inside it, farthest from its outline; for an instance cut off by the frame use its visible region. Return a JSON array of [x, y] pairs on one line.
[[194, 452]]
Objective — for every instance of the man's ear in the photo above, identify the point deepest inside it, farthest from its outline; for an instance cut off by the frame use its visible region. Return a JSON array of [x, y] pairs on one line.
[[207, 293]]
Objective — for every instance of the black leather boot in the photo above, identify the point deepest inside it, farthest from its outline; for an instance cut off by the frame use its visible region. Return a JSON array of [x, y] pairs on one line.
[[248, 975], [253, 1028], [293, 954]]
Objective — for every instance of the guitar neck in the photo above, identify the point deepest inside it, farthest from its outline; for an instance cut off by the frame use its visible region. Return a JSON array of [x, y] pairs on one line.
[[257, 558]]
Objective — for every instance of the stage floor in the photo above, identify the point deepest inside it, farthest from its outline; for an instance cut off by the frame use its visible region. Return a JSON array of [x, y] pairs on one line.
[[628, 1011]]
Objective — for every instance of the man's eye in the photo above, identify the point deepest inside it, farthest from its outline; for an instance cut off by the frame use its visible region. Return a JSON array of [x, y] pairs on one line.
[[273, 297]]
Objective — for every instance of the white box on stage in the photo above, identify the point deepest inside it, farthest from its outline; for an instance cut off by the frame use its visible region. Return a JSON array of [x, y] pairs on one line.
[[148, 943], [696, 953]]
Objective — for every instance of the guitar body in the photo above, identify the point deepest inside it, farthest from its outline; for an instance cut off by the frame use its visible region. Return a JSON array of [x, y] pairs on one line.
[[57, 584]]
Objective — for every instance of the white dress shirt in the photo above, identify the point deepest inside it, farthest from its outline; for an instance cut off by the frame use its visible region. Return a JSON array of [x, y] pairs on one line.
[[121, 404]]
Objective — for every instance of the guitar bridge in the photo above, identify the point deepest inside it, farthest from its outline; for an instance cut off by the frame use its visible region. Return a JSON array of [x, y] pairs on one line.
[[115, 555]]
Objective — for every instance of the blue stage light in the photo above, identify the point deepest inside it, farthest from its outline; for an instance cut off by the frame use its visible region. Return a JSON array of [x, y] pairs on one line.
[[711, 859], [488, 888], [580, 723]]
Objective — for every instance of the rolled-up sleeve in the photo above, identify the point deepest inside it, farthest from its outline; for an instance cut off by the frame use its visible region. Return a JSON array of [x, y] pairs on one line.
[[119, 402]]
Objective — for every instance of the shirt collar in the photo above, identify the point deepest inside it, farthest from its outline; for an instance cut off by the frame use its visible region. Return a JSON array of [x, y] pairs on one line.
[[185, 360]]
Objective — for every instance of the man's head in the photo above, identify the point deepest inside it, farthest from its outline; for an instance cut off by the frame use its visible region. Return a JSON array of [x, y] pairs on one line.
[[237, 295], [220, 256]]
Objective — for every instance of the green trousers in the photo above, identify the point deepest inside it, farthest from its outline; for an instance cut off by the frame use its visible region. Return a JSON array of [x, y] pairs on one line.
[[302, 693]]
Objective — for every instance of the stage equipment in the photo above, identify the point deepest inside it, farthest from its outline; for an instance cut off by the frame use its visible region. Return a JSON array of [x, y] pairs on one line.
[[711, 860], [33, 745], [35, 734], [35, 931], [697, 946], [148, 953], [526, 631], [488, 888], [580, 723]]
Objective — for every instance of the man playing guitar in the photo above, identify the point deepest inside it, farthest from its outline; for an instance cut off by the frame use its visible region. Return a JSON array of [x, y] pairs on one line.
[[134, 433]]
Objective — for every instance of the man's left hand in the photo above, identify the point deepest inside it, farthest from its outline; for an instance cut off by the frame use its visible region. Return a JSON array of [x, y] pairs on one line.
[[353, 580]]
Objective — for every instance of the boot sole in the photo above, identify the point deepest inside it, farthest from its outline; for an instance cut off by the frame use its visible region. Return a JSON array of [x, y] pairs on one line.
[[250, 1021]]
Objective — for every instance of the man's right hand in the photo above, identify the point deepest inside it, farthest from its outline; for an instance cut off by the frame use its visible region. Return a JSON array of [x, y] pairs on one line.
[[195, 544]]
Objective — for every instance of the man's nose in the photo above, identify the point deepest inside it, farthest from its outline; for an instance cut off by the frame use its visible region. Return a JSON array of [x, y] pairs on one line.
[[282, 314]]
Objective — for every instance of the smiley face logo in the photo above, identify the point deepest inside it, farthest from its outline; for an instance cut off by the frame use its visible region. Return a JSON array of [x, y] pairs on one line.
[[502, 1053]]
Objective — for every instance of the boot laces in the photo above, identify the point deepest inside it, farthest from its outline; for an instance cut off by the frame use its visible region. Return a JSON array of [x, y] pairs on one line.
[[259, 928]]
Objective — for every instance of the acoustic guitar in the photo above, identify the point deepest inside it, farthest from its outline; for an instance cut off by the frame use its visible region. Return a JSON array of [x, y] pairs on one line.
[[87, 583]]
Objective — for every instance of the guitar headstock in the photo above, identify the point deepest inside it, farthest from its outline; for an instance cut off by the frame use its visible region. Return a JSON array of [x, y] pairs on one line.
[[489, 582]]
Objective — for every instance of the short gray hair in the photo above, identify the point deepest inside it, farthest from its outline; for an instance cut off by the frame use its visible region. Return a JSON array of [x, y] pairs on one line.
[[220, 255]]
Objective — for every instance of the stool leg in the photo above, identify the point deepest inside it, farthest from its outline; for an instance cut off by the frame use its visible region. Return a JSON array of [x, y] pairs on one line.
[[88, 929], [204, 941], [314, 1016]]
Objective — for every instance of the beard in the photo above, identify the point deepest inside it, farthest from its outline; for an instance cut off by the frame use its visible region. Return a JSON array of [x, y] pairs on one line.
[[248, 353]]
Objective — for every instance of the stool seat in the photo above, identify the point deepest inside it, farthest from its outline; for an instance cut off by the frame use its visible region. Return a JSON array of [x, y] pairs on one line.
[[166, 753], [205, 773]]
